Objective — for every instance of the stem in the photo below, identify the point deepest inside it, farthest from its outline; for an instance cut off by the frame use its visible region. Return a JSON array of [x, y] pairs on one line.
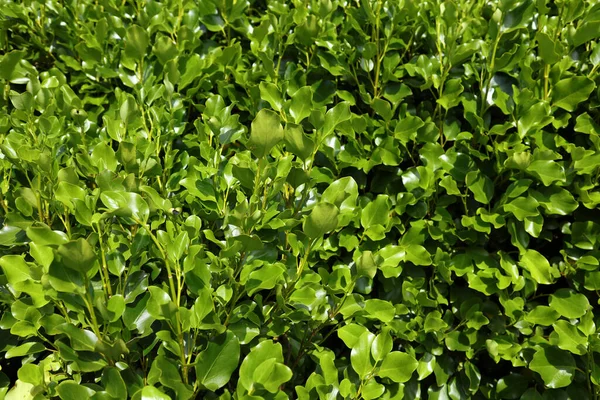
[[67, 223], [281, 53], [593, 70], [378, 63], [164, 257], [256, 189], [303, 263], [175, 295], [3, 204], [87, 299], [106, 276], [546, 75], [489, 81], [63, 310]]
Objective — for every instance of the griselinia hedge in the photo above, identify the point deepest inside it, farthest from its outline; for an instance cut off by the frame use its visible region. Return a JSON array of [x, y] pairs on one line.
[[304, 199]]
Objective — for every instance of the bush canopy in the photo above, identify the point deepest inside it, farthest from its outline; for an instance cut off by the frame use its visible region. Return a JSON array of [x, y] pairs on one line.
[[305, 199]]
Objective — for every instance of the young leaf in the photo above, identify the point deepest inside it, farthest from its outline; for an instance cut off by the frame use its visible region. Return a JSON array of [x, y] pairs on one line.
[[539, 267]]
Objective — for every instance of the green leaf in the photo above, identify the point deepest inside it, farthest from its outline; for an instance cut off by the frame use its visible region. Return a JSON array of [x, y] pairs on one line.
[[512, 386], [67, 192], [78, 255], [398, 367], [568, 93], [452, 91], [556, 367], [568, 303], [366, 265], [434, 322], [548, 171], [71, 390], [570, 338], [270, 92], [113, 383], [406, 129], [265, 277], [382, 345], [417, 254], [125, 204], [372, 390], [542, 315], [152, 393], [165, 49], [375, 213], [351, 333], [265, 133], [556, 200], [128, 113], [481, 186], [217, 362], [81, 339], [518, 17], [15, 269], [523, 207], [322, 219], [31, 373], [24, 349], [534, 118], [272, 374], [380, 309], [360, 356], [11, 235], [136, 42], [539, 267], [42, 235], [343, 193], [260, 353], [549, 50], [160, 306], [587, 31], [9, 61], [301, 105], [297, 142], [335, 116], [65, 280]]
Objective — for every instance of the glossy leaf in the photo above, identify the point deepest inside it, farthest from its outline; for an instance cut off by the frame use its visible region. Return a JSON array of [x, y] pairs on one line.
[[217, 362], [398, 366], [556, 367]]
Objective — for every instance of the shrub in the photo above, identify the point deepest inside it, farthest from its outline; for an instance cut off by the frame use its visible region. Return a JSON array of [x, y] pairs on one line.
[[317, 199]]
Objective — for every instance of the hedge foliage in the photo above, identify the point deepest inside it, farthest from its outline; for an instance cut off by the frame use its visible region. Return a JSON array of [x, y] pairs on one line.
[[320, 199]]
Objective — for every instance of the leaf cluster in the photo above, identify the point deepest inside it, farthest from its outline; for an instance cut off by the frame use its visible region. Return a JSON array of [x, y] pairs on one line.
[[321, 199]]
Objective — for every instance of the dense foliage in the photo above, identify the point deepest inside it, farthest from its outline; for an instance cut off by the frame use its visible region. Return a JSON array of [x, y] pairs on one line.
[[321, 199]]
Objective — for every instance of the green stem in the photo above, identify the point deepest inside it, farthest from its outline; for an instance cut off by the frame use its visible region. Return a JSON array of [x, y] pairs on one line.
[[546, 76], [87, 299], [491, 75], [106, 276], [303, 263], [593, 70], [164, 257], [175, 295], [379, 57]]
